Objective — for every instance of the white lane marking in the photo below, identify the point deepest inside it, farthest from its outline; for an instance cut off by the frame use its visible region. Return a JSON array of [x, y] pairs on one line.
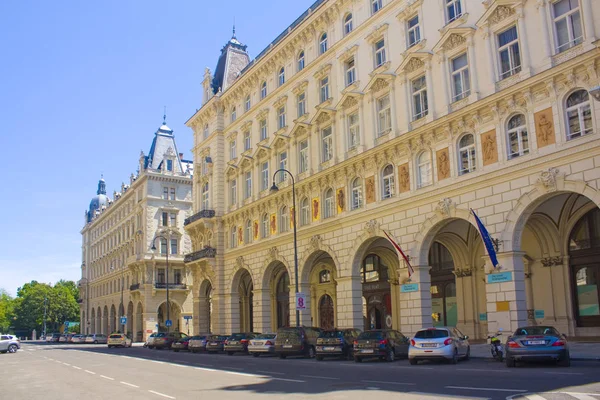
[[130, 384], [60, 362], [157, 362], [76, 367], [107, 377], [161, 394], [581, 396], [244, 374], [485, 389], [562, 373], [482, 370], [320, 377], [51, 359], [90, 372], [68, 365], [287, 380], [390, 383], [270, 372], [533, 397]]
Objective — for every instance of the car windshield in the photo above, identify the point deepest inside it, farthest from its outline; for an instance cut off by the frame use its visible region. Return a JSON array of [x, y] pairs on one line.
[[332, 334], [371, 335], [198, 338], [237, 336], [115, 336], [537, 330], [266, 336], [432, 334], [288, 333], [160, 335]]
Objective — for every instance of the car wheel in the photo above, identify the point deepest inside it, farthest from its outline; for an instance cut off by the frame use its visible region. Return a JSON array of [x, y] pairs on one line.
[[565, 362], [12, 348], [282, 356], [454, 358], [95, 342], [468, 355], [510, 362], [255, 354], [311, 352], [230, 353], [391, 356], [357, 359], [319, 358], [413, 361]]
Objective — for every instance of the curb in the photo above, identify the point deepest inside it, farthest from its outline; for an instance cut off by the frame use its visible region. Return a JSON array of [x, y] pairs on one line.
[[572, 358]]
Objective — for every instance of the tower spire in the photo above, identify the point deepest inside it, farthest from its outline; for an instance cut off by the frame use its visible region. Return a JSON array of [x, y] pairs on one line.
[[165, 116], [234, 28]]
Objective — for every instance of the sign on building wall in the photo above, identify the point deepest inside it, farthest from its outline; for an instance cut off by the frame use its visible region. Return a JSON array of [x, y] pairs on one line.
[[409, 287], [300, 301], [500, 277]]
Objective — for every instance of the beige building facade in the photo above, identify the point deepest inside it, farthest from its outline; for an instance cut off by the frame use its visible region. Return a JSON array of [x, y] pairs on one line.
[[121, 274], [403, 116]]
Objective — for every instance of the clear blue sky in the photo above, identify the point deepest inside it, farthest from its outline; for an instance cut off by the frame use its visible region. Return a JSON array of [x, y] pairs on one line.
[[82, 90]]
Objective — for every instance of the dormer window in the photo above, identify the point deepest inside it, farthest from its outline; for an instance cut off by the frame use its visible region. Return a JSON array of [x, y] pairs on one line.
[[169, 165]]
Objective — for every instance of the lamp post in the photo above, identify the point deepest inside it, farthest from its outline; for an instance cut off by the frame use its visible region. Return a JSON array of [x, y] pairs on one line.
[[122, 306], [274, 189], [45, 306], [167, 283]]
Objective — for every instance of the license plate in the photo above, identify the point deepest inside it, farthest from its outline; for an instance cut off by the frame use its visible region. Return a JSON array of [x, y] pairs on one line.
[[212, 344], [287, 346], [233, 342], [366, 351], [534, 342], [328, 348], [429, 345]]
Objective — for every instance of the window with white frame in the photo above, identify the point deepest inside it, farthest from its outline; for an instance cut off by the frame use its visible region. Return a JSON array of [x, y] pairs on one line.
[[324, 89], [350, 68], [376, 6], [264, 176], [233, 237], [423, 169], [205, 194], [518, 141], [232, 150], [281, 117], [348, 24], [414, 31], [247, 104], [301, 100], [284, 219], [233, 114], [263, 90], [174, 250], [165, 219], [328, 204], [380, 57], [248, 187], [384, 115], [248, 232], [453, 10], [509, 53], [357, 194], [388, 182], [579, 114], [262, 124], [173, 219], [165, 193], [172, 194], [466, 154], [283, 164], [281, 76], [264, 226], [461, 85], [327, 144], [205, 132], [303, 156], [304, 212], [247, 141], [300, 61], [232, 192], [323, 43], [567, 24], [419, 96], [353, 131]]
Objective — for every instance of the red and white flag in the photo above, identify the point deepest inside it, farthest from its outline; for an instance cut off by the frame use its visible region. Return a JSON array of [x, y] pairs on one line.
[[410, 268]]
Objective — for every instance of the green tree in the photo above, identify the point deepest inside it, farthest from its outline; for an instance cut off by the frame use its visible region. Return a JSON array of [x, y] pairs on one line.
[[7, 304]]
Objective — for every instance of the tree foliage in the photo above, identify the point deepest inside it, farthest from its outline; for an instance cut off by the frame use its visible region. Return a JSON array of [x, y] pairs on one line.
[[6, 311]]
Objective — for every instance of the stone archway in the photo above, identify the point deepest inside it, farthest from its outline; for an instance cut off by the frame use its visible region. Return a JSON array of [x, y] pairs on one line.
[[139, 323], [129, 325], [93, 321], [112, 322], [205, 307], [242, 301], [105, 327], [275, 297], [318, 278], [174, 315]]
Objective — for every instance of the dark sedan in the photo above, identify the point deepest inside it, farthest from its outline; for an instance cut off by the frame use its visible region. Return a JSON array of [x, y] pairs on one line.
[[215, 343], [238, 343], [164, 340], [337, 343], [537, 343], [385, 344], [181, 344]]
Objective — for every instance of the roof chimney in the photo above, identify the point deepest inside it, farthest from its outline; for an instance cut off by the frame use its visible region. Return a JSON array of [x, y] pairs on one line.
[[181, 156]]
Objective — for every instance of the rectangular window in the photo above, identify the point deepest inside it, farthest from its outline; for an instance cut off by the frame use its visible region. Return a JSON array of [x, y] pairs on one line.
[[172, 194], [169, 165], [380, 58], [166, 193], [165, 219], [247, 141], [173, 219], [283, 164], [264, 176], [461, 86], [567, 24], [301, 104], [508, 49], [414, 31], [375, 6], [247, 104], [353, 131], [232, 192], [419, 90], [163, 246], [327, 144], [281, 118], [232, 150], [160, 275], [303, 156], [350, 72], [263, 129], [453, 10], [177, 275], [324, 89], [174, 248], [384, 117], [248, 188]]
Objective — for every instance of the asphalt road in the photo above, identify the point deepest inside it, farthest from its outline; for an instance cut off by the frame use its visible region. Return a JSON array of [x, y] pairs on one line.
[[61, 371]]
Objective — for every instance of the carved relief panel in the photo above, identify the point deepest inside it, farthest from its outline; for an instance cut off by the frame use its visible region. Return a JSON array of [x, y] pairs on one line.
[[544, 127], [443, 164], [403, 178], [489, 147], [370, 189]]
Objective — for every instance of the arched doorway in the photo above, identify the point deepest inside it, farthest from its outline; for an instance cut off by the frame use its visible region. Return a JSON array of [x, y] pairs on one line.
[[326, 314], [444, 309], [282, 299], [139, 325], [93, 321], [205, 307], [374, 275], [174, 316], [112, 327], [105, 321], [129, 326], [245, 302], [321, 273]]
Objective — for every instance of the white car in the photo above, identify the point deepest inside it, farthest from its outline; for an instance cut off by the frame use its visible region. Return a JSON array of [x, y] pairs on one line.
[[119, 340], [78, 339], [439, 343], [9, 344]]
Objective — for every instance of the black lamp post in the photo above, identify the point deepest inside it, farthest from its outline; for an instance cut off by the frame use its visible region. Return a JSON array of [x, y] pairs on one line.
[[274, 189], [167, 283]]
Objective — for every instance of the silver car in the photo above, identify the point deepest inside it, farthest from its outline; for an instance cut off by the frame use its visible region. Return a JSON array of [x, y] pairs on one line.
[[97, 338], [262, 344], [440, 343], [9, 344]]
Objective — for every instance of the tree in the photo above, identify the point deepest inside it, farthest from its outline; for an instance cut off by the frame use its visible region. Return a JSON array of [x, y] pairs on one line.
[[7, 304]]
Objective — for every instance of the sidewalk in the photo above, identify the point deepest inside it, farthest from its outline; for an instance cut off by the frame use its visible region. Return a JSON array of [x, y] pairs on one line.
[[579, 351]]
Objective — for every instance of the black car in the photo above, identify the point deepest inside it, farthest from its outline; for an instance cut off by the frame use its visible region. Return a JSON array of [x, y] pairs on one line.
[[337, 343], [164, 340], [238, 342], [215, 343], [181, 344], [297, 341], [385, 344]]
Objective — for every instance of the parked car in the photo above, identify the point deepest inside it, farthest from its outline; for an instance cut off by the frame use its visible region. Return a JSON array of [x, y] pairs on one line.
[[55, 337], [181, 344], [385, 344], [262, 344], [63, 338], [97, 338], [164, 340], [238, 342], [119, 340], [198, 343], [296, 341], [337, 343], [537, 343], [150, 340], [9, 344], [78, 339], [215, 343], [440, 343]]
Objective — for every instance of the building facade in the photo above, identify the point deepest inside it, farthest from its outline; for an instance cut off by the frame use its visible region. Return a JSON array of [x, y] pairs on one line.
[[402, 117], [122, 275]]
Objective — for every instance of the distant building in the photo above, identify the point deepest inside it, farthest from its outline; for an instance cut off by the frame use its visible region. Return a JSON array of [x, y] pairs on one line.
[[117, 247]]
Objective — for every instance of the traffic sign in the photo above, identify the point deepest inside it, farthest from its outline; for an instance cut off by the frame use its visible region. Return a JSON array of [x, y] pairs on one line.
[[187, 317], [123, 320], [300, 301], [168, 323]]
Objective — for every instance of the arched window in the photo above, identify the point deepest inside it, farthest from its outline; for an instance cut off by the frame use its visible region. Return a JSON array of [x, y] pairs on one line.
[[323, 43], [348, 24], [233, 113], [284, 219], [423, 169], [247, 103], [263, 90], [518, 141], [579, 114], [466, 154], [264, 226], [388, 183], [248, 232], [205, 133], [281, 76], [304, 212], [301, 61], [233, 237], [373, 269], [329, 204], [325, 276], [357, 194], [205, 202]]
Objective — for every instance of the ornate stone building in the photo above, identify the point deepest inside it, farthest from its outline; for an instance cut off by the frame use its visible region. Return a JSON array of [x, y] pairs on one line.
[[403, 116], [121, 275]]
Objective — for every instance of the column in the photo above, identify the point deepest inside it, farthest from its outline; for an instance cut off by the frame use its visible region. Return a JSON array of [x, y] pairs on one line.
[[415, 301], [445, 87], [393, 114], [405, 125], [366, 136], [314, 143], [525, 62], [493, 66], [196, 312], [588, 21], [430, 97], [375, 119], [349, 302], [473, 67], [293, 156], [262, 311]]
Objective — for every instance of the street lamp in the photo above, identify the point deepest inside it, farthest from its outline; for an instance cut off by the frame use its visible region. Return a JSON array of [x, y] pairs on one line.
[[45, 306], [167, 283], [122, 306], [274, 189]]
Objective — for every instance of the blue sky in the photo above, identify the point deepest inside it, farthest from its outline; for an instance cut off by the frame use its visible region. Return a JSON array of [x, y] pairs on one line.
[[82, 90]]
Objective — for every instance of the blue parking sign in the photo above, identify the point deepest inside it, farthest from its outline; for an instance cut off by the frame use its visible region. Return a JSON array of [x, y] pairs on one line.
[[168, 323], [123, 320]]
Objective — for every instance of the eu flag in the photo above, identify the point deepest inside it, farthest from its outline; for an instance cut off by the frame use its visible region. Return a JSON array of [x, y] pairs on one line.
[[487, 240]]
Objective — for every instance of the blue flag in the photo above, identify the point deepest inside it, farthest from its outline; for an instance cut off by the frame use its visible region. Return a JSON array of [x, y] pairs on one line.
[[487, 240]]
